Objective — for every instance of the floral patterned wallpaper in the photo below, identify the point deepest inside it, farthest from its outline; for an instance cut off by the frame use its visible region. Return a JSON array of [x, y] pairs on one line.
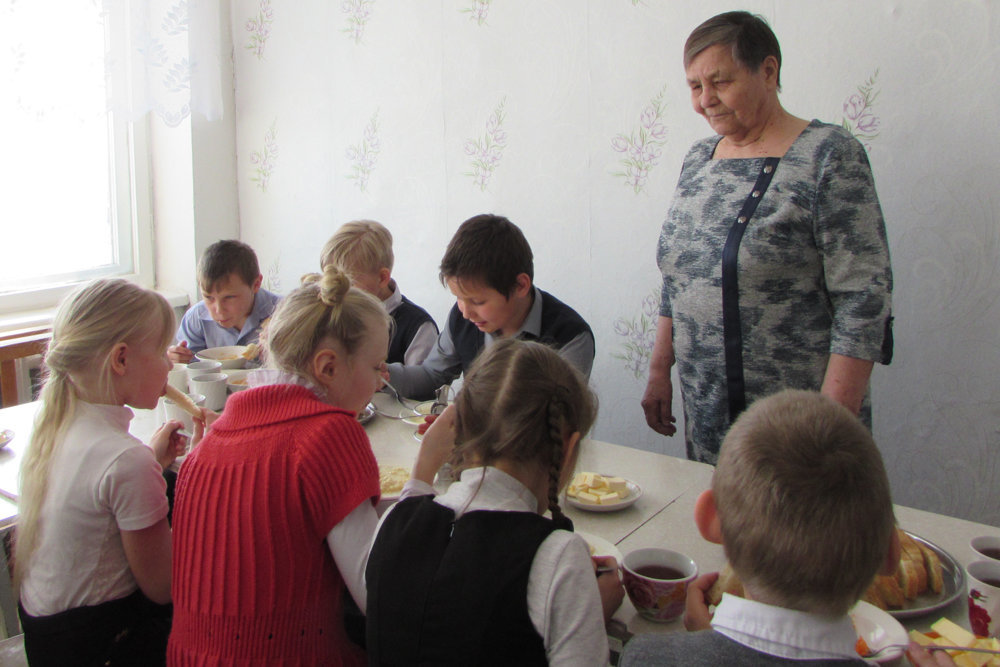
[[572, 118]]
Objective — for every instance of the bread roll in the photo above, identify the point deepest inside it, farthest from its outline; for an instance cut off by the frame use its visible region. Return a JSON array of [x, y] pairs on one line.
[[728, 582], [182, 400]]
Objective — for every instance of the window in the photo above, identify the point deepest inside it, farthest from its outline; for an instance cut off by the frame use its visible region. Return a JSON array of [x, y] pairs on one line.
[[73, 181]]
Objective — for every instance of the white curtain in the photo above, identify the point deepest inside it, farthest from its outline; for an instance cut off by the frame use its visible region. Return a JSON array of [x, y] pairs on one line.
[[164, 57]]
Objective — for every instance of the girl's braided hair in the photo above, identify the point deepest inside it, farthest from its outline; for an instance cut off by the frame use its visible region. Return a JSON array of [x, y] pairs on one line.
[[520, 401]]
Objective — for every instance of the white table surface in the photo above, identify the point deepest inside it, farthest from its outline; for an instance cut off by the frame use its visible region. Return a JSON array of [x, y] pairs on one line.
[[663, 516]]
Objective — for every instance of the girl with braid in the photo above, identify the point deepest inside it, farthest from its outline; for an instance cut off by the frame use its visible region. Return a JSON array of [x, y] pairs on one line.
[[478, 575]]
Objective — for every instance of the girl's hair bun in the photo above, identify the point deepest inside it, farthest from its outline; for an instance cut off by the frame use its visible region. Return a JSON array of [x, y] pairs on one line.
[[324, 307], [332, 285]]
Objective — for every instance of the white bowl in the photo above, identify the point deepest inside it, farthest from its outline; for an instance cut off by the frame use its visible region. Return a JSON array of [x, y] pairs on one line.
[[230, 357], [236, 379]]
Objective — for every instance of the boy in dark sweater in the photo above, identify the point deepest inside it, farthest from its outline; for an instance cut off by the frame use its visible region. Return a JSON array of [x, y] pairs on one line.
[[363, 250], [489, 267]]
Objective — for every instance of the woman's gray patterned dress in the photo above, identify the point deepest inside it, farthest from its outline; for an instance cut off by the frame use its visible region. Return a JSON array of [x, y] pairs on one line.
[[814, 274]]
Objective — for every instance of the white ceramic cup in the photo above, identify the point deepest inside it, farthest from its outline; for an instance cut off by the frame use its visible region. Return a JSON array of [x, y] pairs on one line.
[[986, 546], [172, 411], [658, 595], [984, 597], [196, 368], [213, 387], [178, 377]]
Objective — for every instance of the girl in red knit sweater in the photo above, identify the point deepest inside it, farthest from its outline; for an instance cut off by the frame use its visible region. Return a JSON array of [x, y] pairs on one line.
[[275, 509]]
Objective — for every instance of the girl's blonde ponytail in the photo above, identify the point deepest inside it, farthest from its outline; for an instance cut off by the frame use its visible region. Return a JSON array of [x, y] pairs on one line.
[[88, 324]]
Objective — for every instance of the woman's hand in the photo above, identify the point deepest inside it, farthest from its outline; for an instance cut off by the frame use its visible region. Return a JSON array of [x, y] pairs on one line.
[[846, 380], [922, 658], [657, 402], [168, 443], [609, 584], [696, 614], [436, 446]]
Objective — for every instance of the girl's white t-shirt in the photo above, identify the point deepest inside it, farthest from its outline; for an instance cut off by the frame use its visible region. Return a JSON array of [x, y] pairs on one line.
[[102, 481]]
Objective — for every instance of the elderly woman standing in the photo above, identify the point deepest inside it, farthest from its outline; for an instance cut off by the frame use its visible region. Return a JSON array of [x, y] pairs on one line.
[[774, 255]]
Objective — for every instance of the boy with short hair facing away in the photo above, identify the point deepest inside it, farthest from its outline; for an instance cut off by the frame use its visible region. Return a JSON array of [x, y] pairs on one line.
[[800, 502], [233, 304], [489, 267], [363, 250]]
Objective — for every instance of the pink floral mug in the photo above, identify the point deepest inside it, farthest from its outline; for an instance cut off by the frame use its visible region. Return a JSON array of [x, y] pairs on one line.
[[984, 597], [656, 581]]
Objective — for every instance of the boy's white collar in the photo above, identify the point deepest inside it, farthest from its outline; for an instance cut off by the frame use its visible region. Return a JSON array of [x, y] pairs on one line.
[[786, 633]]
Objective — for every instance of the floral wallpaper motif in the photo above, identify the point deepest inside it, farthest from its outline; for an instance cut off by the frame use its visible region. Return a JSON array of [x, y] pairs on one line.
[[638, 335], [363, 154], [272, 276], [642, 148], [259, 29], [264, 159], [487, 150], [358, 12], [859, 119], [478, 11]]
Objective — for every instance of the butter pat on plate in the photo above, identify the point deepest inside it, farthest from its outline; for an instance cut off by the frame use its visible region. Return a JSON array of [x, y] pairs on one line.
[[596, 492]]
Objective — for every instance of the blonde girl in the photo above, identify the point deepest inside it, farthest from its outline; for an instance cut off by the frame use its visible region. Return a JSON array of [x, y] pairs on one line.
[[93, 559], [477, 575], [285, 480]]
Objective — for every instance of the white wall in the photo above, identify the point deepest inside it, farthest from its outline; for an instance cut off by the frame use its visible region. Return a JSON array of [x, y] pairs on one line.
[[425, 77]]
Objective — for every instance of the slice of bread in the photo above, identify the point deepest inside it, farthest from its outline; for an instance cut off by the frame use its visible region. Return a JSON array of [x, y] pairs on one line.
[[908, 578], [873, 596], [935, 572], [889, 591], [911, 553], [728, 582]]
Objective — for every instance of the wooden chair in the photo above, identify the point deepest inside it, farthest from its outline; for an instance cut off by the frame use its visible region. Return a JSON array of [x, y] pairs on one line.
[[14, 345], [8, 601]]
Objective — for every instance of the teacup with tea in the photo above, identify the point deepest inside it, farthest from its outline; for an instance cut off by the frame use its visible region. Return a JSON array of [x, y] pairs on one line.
[[656, 581]]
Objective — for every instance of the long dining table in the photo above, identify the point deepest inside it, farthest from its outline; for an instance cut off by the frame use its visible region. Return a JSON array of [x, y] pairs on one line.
[[662, 516]]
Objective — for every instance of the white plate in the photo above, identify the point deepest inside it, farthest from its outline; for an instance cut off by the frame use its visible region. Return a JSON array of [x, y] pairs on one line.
[[422, 410], [634, 493], [878, 629], [230, 356], [601, 546], [236, 379]]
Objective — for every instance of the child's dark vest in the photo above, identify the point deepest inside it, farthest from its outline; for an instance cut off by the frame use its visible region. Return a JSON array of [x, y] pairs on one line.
[[408, 317], [446, 592], [560, 325]]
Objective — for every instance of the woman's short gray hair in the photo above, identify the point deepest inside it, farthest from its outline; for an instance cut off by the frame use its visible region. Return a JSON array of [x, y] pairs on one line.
[[749, 35]]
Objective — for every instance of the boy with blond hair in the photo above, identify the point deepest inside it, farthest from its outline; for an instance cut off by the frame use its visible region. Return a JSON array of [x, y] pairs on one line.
[[233, 306], [800, 502], [363, 250]]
